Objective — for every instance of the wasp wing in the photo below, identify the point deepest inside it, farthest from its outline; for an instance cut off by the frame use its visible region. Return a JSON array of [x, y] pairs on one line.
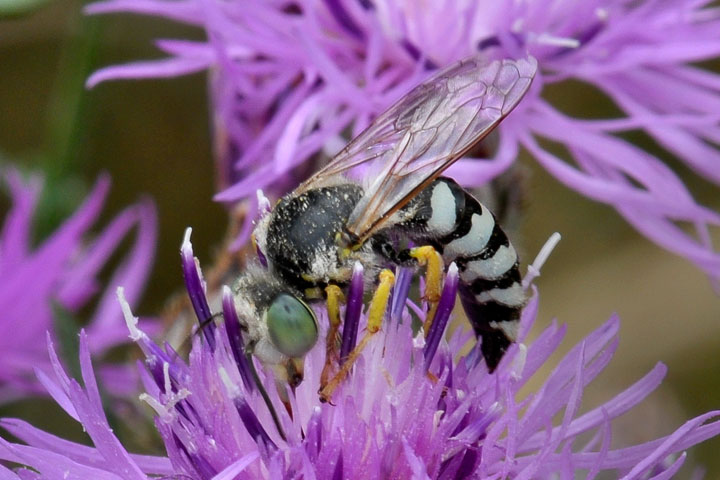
[[427, 130]]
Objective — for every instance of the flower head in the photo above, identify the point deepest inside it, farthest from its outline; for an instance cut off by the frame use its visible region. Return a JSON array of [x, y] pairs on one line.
[[63, 270], [289, 80], [412, 408]]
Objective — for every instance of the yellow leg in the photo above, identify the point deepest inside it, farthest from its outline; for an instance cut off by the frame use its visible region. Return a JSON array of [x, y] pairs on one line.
[[376, 312], [429, 257], [335, 298]]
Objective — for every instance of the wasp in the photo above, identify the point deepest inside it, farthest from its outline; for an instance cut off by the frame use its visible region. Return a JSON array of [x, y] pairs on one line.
[[386, 185]]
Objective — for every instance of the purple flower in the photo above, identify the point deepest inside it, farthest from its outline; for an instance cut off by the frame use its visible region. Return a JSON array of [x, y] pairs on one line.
[[63, 270], [289, 79], [411, 408]]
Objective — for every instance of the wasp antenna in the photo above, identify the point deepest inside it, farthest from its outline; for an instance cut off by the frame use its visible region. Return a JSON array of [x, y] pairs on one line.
[[247, 415], [201, 328]]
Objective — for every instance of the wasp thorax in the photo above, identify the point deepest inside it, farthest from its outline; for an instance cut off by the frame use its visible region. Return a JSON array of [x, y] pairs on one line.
[[301, 235]]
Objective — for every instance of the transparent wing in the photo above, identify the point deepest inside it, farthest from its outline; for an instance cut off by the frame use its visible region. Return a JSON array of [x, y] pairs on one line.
[[422, 134]]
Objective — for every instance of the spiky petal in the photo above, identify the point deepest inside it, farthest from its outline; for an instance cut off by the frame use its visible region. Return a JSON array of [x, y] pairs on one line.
[[390, 418], [63, 270]]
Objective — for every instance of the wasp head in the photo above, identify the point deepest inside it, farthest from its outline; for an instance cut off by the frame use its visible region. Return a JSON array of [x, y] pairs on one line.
[[281, 327]]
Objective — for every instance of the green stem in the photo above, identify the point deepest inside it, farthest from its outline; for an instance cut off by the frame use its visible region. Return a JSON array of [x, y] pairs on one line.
[[68, 102]]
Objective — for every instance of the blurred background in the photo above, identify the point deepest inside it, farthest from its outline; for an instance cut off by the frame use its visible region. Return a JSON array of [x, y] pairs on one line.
[[153, 138]]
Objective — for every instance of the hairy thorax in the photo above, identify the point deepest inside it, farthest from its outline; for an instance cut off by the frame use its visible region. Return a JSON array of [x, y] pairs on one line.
[[301, 237]]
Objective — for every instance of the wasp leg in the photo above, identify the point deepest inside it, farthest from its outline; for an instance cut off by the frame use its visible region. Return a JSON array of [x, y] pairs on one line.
[[376, 312], [335, 298], [428, 257]]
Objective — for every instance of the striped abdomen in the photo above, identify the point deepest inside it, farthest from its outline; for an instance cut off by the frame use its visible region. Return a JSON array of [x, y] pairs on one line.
[[465, 232]]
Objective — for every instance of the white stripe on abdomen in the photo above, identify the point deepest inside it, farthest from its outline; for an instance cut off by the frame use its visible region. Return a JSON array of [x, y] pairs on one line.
[[512, 296], [490, 268], [475, 240], [442, 203]]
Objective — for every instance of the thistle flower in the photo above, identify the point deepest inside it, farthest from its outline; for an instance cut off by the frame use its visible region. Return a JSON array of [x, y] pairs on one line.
[[412, 408], [62, 270], [288, 80]]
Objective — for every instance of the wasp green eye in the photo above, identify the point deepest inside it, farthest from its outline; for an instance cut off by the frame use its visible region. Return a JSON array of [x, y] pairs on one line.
[[292, 325]]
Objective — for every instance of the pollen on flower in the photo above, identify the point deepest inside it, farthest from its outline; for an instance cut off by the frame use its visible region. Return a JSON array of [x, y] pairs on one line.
[[518, 362], [130, 320], [533, 269], [165, 411], [166, 408], [264, 206]]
